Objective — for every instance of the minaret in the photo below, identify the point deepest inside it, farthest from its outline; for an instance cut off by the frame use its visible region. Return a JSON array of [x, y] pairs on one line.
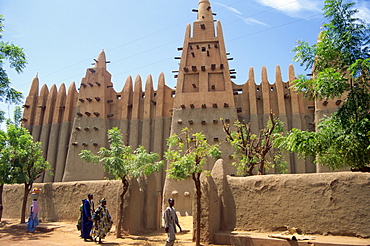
[[204, 94], [91, 121], [30, 106], [204, 76]]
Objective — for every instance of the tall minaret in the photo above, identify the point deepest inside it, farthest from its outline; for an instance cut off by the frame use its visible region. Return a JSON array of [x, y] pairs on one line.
[[204, 76], [91, 121], [204, 94]]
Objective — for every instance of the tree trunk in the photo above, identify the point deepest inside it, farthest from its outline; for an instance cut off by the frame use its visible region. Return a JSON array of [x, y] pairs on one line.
[[27, 188], [250, 170], [122, 196], [1, 200], [196, 178], [261, 169]]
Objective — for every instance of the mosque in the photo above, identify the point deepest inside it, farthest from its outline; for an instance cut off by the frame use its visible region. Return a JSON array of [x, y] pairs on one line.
[[67, 121]]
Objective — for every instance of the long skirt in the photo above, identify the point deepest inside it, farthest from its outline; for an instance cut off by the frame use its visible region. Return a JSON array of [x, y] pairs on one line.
[[32, 222]]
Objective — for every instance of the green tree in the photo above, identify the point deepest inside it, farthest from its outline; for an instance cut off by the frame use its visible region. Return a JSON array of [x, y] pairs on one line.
[[340, 62], [186, 155], [22, 160], [16, 58], [123, 163], [17, 117], [256, 150], [6, 169], [2, 116]]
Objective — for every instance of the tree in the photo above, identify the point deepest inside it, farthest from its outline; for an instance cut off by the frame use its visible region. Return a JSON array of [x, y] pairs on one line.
[[340, 62], [23, 160], [17, 117], [123, 163], [186, 155], [6, 169], [2, 116], [255, 150], [16, 58]]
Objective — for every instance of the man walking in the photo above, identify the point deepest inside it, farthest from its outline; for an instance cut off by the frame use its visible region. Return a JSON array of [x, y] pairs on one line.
[[170, 222], [88, 208]]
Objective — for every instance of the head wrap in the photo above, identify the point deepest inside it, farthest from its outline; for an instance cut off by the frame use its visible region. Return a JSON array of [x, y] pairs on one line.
[[102, 200]]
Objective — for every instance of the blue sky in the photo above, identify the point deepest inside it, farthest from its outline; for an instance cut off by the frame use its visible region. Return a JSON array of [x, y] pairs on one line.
[[61, 38]]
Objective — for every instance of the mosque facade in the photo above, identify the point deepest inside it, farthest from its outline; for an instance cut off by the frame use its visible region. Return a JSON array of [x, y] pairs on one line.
[[67, 121]]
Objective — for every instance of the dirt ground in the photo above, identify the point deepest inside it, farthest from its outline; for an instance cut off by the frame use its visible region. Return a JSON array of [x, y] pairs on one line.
[[14, 234]]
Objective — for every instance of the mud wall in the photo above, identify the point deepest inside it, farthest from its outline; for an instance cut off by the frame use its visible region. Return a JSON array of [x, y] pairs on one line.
[[60, 202], [333, 203]]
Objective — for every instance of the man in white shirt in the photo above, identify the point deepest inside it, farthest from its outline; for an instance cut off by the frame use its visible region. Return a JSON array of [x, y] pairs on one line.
[[170, 222]]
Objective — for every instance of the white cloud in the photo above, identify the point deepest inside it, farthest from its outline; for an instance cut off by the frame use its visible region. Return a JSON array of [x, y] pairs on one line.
[[251, 21], [363, 11], [283, 5], [231, 9], [294, 8], [248, 20]]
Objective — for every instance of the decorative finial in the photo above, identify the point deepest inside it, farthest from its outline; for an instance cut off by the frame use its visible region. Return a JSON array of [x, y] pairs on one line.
[[100, 61], [204, 11]]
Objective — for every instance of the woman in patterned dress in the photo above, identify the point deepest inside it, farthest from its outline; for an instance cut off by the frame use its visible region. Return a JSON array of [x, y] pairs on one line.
[[102, 222]]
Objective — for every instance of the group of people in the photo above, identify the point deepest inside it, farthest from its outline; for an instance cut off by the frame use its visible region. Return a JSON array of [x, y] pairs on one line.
[[94, 223]]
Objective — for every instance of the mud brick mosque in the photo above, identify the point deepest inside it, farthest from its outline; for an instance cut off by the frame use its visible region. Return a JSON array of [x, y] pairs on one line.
[[67, 121]]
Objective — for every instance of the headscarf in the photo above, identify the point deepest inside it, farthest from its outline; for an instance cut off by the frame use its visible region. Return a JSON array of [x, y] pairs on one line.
[[102, 200], [35, 208]]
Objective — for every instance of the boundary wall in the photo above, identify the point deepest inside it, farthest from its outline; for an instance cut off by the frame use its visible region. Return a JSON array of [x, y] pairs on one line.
[[334, 203], [61, 201]]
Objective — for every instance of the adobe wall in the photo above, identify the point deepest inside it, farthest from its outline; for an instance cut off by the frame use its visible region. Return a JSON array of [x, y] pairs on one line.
[[67, 123], [60, 202], [335, 203]]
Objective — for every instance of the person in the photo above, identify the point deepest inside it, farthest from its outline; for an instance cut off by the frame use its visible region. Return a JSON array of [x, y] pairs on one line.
[[86, 225], [33, 219], [79, 221], [170, 222], [102, 222]]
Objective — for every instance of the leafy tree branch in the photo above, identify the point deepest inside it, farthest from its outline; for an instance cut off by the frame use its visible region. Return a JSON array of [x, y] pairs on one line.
[[123, 163]]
